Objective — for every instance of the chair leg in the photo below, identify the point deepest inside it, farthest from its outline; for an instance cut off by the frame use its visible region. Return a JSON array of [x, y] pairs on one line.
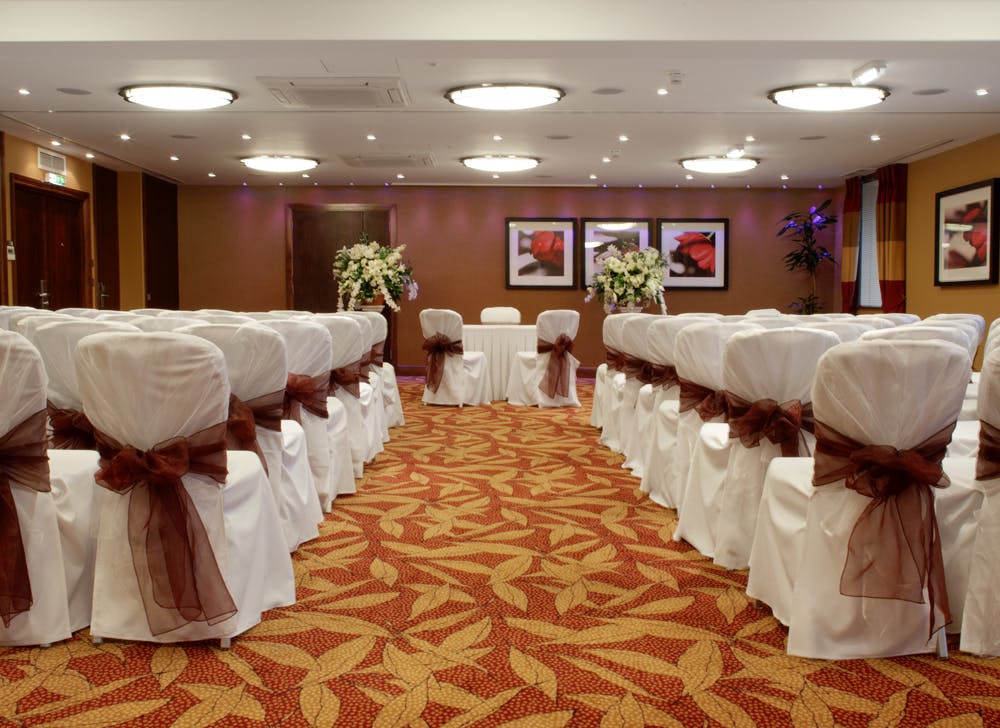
[[45, 645], [225, 643], [942, 645], [95, 640]]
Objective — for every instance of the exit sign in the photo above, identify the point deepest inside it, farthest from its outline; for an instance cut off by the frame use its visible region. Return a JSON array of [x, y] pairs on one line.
[[55, 179]]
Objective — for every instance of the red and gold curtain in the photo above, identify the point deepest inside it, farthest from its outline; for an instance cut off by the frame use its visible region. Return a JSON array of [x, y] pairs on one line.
[[890, 236], [850, 222]]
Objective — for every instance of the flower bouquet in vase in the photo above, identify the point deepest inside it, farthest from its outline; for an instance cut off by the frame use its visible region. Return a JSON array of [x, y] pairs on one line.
[[369, 274], [630, 279]]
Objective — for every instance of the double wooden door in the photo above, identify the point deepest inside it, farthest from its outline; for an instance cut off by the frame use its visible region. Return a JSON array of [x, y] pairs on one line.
[[50, 242]]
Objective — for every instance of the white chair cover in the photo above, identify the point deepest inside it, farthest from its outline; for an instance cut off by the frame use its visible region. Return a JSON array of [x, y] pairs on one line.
[[149, 311], [79, 312], [28, 325], [163, 322], [845, 329], [373, 407], [655, 437], [383, 376], [55, 525], [901, 319], [955, 333], [120, 316], [466, 378], [221, 318], [973, 319], [500, 315], [257, 366], [635, 345], [774, 322], [895, 393], [352, 433], [7, 313], [529, 367], [609, 386], [309, 351], [704, 314], [768, 312], [601, 376], [143, 389], [778, 365], [698, 356]]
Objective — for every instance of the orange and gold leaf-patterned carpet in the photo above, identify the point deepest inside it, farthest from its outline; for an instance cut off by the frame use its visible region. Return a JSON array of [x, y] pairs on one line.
[[496, 568]]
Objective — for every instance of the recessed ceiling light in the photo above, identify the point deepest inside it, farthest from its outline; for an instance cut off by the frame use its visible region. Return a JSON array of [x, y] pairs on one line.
[[89, 155], [718, 165], [982, 92], [607, 91], [606, 160], [687, 176], [400, 176], [174, 158], [593, 176], [305, 175], [662, 92], [178, 97], [828, 97], [24, 92], [74, 91], [623, 137], [497, 138], [371, 137], [124, 137], [749, 138], [875, 138], [56, 143], [784, 177], [211, 174], [244, 184], [500, 163], [496, 176], [285, 163], [504, 97], [245, 137]]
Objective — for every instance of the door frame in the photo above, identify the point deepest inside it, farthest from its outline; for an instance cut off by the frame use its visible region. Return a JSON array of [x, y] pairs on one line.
[[18, 181], [294, 207]]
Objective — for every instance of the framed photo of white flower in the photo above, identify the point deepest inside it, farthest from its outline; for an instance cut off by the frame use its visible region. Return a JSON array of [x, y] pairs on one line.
[[603, 236], [541, 252], [696, 251]]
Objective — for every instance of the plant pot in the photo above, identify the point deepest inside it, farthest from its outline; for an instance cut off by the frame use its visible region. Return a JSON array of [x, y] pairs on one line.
[[610, 308], [374, 304]]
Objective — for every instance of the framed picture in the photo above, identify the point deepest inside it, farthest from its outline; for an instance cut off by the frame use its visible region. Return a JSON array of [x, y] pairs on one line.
[[541, 252], [965, 238], [603, 235], [697, 252]]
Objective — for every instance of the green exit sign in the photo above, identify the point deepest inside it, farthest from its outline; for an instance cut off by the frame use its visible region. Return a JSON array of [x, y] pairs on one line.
[[55, 179]]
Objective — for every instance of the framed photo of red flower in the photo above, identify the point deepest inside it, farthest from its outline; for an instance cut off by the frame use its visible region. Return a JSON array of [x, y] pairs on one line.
[[966, 226], [602, 236], [541, 252], [696, 251]]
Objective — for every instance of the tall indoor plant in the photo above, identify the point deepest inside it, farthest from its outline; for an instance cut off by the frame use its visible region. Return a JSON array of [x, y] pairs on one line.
[[808, 254]]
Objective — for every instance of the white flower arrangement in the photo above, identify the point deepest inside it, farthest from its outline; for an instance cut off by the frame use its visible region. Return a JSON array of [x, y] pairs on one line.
[[367, 270], [629, 278]]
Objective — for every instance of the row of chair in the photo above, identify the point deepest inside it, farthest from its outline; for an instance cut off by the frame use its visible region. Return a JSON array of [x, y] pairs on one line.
[[757, 378], [168, 411]]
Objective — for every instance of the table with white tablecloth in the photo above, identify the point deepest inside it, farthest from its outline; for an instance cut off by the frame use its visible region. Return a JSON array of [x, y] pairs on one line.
[[500, 343]]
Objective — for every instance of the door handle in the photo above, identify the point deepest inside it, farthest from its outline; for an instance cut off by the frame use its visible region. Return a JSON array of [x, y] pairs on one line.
[[43, 294], [102, 295]]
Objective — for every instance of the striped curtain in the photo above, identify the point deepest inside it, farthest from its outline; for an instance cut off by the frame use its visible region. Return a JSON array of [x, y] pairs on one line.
[[890, 236], [850, 225]]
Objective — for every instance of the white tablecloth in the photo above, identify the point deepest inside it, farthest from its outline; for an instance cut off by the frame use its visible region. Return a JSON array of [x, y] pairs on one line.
[[500, 342]]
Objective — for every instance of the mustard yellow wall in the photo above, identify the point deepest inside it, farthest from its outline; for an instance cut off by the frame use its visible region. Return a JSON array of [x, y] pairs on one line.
[[21, 157], [971, 163], [131, 269]]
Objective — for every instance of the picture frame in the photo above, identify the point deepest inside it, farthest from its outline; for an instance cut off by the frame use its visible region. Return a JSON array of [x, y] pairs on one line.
[[696, 251], [540, 252], [965, 235], [601, 234]]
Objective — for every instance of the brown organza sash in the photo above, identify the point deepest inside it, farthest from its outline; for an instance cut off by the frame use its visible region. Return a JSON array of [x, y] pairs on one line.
[[71, 430], [438, 347], [707, 402], [633, 366], [347, 378], [556, 378], [24, 460], [308, 392], [245, 417], [615, 359], [988, 459], [782, 424], [377, 355], [659, 375], [894, 550], [178, 575]]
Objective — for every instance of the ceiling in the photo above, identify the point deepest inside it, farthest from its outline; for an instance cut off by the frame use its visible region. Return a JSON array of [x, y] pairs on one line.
[[717, 58]]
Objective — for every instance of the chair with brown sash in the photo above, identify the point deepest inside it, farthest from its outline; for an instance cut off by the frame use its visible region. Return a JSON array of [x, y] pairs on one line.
[[500, 315], [454, 377], [547, 377], [46, 579], [186, 528], [258, 371], [385, 371], [372, 405], [865, 560], [610, 381], [635, 346]]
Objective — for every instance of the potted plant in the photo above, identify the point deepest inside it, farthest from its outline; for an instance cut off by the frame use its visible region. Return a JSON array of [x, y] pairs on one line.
[[369, 273], [629, 279], [807, 254]]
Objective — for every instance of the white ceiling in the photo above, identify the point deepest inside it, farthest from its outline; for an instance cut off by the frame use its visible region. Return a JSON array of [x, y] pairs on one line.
[[718, 58]]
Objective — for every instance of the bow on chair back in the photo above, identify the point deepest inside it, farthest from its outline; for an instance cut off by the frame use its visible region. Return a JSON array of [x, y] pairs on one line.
[[442, 331], [698, 354], [988, 405], [556, 330], [56, 342], [159, 404], [23, 462], [885, 410], [309, 350], [350, 349]]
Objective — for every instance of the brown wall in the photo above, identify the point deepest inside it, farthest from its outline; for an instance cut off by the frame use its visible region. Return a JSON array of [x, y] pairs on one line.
[[971, 163], [232, 248]]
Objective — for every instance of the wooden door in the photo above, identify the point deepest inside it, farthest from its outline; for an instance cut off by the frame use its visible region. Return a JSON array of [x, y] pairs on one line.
[[159, 235], [50, 240], [106, 236]]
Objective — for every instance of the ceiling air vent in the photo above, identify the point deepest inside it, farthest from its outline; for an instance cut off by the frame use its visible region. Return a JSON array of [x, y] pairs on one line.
[[388, 160], [337, 93], [51, 161]]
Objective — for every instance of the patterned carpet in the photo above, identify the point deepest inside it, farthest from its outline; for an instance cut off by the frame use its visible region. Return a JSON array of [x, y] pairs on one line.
[[497, 568]]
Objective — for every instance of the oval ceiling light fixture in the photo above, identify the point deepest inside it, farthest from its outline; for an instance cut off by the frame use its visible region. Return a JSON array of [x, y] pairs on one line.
[[504, 96], [718, 165], [828, 97], [274, 163], [500, 163], [178, 97]]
